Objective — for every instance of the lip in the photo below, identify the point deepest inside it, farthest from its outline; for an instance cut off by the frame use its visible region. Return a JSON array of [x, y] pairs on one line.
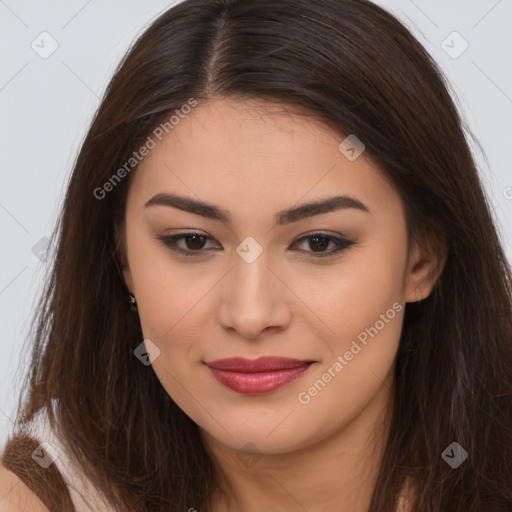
[[257, 376]]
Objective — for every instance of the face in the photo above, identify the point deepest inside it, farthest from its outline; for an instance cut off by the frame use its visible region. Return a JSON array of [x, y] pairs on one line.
[[325, 285]]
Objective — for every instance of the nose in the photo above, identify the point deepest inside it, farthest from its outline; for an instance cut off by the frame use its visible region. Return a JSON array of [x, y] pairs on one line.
[[254, 299]]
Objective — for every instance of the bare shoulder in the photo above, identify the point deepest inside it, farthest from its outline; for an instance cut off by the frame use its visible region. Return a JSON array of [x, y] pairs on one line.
[[15, 496]]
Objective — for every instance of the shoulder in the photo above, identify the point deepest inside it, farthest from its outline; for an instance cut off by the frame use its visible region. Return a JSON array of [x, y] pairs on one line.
[[37, 458], [15, 496], [29, 478]]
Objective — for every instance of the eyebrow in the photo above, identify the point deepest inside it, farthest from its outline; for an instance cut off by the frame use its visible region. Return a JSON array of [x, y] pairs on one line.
[[281, 218]]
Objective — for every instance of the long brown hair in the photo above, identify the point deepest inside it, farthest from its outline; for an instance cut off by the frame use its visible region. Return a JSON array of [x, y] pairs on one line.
[[356, 67]]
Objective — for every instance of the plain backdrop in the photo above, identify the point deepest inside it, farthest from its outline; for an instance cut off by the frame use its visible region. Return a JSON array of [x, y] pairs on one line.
[[47, 102]]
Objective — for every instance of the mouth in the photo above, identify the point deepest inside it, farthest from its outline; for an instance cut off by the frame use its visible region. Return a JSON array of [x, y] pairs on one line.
[[257, 376]]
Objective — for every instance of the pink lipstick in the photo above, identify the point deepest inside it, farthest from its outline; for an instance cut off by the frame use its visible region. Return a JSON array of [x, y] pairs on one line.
[[257, 376]]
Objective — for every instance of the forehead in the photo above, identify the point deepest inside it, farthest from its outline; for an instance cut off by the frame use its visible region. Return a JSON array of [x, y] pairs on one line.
[[250, 154]]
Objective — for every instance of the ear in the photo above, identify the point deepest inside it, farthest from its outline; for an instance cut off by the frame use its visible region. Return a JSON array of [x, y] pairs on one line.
[[127, 275], [425, 263], [120, 242]]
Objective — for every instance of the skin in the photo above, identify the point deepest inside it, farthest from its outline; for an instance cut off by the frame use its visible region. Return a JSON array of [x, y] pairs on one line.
[[15, 495], [255, 159]]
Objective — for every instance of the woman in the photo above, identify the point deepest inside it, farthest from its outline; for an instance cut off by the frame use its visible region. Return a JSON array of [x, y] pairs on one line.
[[278, 284]]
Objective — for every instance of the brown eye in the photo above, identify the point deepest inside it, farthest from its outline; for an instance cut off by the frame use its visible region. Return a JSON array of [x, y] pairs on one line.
[[194, 242], [189, 244], [319, 242]]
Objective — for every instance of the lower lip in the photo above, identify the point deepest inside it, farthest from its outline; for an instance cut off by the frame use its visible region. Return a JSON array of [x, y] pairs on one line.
[[259, 382]]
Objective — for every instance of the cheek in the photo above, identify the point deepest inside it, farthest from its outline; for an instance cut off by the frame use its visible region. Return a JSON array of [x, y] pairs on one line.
[[366, 313], [168, 296], [174, 320], [363, 308], [356, 294], [364, 328]]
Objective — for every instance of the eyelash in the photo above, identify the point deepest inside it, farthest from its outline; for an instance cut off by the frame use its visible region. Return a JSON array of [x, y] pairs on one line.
[[170, 243]]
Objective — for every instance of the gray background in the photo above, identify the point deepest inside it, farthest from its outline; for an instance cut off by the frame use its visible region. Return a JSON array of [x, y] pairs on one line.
[[47, 103]]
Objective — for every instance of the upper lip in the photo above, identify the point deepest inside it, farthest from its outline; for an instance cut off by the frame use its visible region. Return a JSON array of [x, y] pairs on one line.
[[262, 364]]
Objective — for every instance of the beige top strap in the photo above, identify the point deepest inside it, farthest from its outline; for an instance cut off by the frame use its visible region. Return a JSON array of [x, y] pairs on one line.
[[84, 496]]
